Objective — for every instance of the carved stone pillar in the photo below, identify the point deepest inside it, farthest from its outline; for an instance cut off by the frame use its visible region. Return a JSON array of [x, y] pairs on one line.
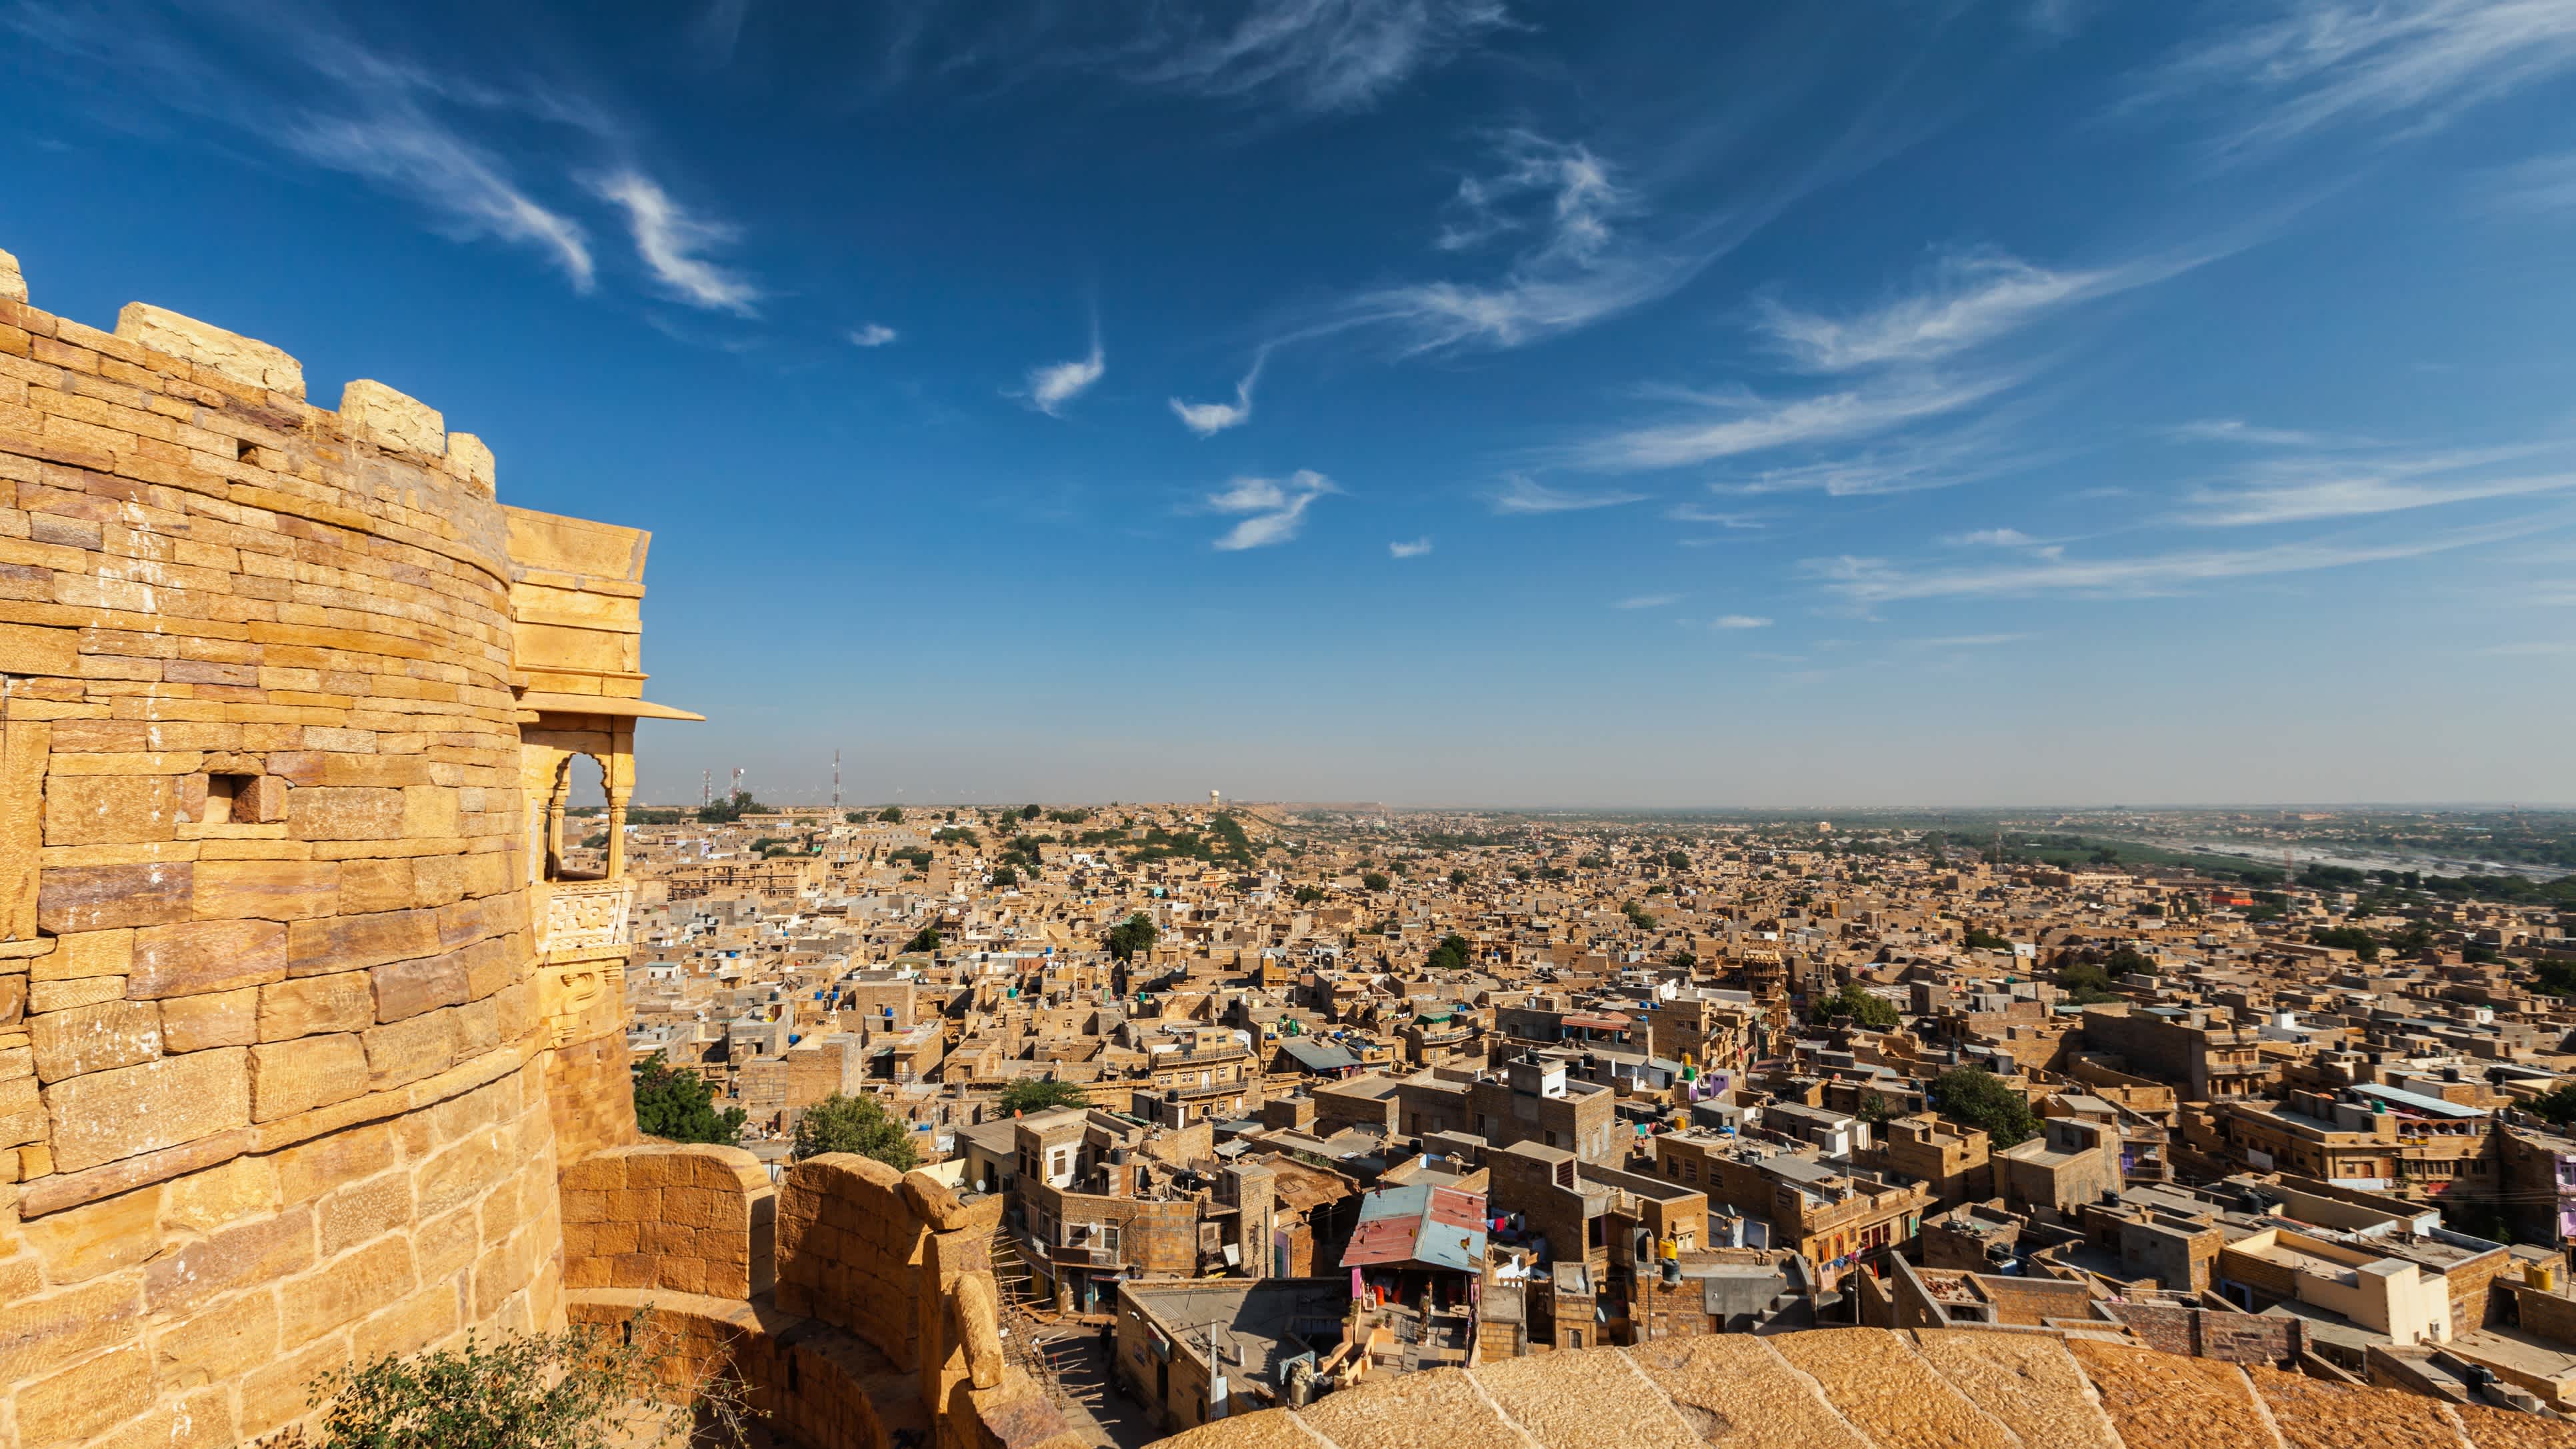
[[617, 837]]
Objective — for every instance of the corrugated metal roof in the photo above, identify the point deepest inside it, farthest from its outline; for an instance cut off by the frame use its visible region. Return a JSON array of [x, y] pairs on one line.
[[1434, 1227]]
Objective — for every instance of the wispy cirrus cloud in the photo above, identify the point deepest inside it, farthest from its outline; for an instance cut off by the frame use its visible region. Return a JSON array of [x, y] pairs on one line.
[[1695, 513], [1298, 57], [672, 242], [1990, 538], [1409, 548], [406, 153], [1739, 621], [1056, 384], [1209, 419], [1727, 425], [2353, 496], [323, 94], [1275, 510], [1648, 601], [2310, 66], [1870, 581], [1523, 494], [875, 334], [1972, 299], [1970, 641], [1574, 257], [2237, 430]]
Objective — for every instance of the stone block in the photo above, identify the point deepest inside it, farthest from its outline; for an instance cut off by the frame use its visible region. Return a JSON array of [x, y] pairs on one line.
[[22, 1112], [40, 649], [201, 956], [236, 1191], [100, 1237], [41, 1333], [104, 897], [94, 1038], [90, 954], [340, 1002], [104, 1116], [240, 1256], [218, 1345], [24, 745], [392, 421], [308, 1170], [353, 943], [200, 1420], [13, 282], [268, 890], [405, 989], [344, 1290], [45, 996], [273, 1396], [363, 1210], [409, 1326], [288, 1077], [86, 1399], [335, 813], [406, 1051], [470, 459], [252, 363], [218, 1019], [110, 809]]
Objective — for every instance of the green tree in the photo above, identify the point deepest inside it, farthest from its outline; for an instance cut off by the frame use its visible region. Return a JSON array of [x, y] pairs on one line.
[[842, 1123], [1036, 1094], [1452, 954], [2558, 1104], [1004, 877], [1981, 939], [1978, 1098], [892, 814], [924, 940], [1374, 881], [1638, 916], [1865, 1008], [680, 1106], [591, 1386], [1030, 812], [1459, 877], [1131, 937], [2085, 983], [1677, 859], [2348, 938], [1307, 895]]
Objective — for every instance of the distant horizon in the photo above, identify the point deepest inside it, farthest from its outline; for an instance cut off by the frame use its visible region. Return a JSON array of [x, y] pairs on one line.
[[1059, 802]]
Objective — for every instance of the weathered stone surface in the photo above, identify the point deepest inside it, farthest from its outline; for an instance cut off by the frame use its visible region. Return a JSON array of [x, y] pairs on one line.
[[202, 956], [391, 420], [41, 1333], [1891, 1394], [70, 899], [218, 1019], [288, 1077], [407, 1051], [353, 943], [2028, 1381], [39, 650], [261, 1250], [2161, 1398], [329, 813], [1738, 1394], [110, 809], [405, 989], [99, 1237], [340, 1002], [1433, 1409], [470, 459], [106, 1115], [13, 282], [23, 748], [94, 1038], [345, 1289], [253, 363], [268, 890], [86, 1399]]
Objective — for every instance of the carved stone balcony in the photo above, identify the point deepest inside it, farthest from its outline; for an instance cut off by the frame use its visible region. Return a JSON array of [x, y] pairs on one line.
[[585, 918]]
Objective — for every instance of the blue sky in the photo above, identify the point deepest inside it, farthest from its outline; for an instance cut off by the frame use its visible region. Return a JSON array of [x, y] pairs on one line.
[[1478, 401]]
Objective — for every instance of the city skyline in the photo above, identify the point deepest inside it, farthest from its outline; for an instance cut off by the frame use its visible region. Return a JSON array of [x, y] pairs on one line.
[[1443, 402]]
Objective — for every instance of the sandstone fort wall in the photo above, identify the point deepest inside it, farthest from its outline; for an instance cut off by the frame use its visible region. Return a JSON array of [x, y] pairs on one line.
[[273, 1089]]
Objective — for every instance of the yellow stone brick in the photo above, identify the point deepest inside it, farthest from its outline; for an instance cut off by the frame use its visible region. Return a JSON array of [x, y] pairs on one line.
[[218, 1344], [345, 1289], [244, 1188], [288, 1077], [86, 1399], [219, 1019]]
